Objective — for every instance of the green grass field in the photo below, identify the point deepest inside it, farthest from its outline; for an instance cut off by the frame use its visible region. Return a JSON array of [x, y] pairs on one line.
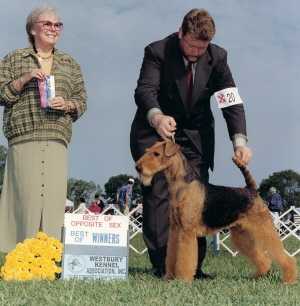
[[232, 286]]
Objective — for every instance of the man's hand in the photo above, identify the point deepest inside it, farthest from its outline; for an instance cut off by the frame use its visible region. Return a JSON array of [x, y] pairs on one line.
[[243, 153], [164, 125]]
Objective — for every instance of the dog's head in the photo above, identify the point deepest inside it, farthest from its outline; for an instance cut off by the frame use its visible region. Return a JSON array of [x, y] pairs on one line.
[[156, 158]]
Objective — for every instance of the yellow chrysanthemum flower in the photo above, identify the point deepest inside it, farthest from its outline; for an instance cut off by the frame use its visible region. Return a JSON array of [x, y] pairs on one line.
[[41, 236], [35, 258]]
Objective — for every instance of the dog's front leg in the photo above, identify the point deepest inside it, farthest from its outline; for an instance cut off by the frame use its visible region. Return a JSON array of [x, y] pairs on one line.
[[187, 255], [171, 252]]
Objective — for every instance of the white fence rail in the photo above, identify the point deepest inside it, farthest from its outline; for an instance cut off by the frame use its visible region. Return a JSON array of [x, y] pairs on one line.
[[287, 224]]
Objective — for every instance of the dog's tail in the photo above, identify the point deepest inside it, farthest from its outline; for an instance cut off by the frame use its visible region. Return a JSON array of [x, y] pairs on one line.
[[250, 182]]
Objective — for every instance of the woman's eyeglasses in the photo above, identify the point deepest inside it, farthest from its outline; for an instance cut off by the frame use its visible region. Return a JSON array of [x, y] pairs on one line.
[[48, 25]]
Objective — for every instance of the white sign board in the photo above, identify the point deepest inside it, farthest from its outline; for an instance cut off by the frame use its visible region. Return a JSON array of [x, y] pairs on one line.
[[95, 246]]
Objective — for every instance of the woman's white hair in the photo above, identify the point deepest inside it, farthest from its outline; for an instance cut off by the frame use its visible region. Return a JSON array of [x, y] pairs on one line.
[[33, 17]]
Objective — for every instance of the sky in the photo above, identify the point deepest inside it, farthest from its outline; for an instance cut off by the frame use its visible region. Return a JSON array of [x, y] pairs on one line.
[[107, 38]]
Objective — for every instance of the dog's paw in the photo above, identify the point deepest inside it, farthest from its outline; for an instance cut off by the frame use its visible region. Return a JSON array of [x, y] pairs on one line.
[[168, 277]]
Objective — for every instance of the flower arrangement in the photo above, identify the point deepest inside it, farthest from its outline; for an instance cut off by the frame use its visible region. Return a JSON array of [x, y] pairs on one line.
[[34, 259]]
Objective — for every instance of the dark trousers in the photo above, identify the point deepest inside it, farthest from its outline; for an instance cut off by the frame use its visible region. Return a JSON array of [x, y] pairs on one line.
[[156, 210]]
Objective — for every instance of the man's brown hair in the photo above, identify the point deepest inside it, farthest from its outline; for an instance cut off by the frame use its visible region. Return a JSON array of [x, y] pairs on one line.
[[199, 23]]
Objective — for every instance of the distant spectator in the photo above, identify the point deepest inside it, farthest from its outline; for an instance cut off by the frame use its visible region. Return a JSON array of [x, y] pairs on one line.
[[82, 209], [69, 206], [97, 205], [124, 196], [274, 200], [109, 203]]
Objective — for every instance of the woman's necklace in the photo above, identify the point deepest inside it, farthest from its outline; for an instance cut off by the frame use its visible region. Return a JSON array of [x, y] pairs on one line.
[[44, 58]]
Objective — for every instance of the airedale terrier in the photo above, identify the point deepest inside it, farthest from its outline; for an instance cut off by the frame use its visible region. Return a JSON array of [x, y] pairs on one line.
[[199, 210]]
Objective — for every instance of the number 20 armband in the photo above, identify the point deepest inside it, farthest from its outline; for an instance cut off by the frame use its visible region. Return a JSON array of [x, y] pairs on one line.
[[228, 97]]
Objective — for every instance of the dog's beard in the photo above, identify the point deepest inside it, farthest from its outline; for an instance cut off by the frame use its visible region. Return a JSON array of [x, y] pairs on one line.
[[146, 180]]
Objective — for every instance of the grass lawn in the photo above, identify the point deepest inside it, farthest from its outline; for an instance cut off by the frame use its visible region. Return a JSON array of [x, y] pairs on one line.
[[232, 286]]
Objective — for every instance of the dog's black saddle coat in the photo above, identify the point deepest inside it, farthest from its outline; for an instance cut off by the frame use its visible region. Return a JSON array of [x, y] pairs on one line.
[[223, 205]]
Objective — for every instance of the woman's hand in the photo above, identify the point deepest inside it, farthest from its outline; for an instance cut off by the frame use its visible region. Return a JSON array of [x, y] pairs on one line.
[[19, 83], [59, 103], [36, 74]]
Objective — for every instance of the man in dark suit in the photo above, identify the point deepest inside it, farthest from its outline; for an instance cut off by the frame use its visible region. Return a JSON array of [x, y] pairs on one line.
[[179, 75]]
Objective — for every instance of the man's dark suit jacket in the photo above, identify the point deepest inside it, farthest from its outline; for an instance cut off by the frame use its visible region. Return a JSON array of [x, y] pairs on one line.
[[162, 84]]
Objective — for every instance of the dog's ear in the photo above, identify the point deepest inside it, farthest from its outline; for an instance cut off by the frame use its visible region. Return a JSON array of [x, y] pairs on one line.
[[171, 148]]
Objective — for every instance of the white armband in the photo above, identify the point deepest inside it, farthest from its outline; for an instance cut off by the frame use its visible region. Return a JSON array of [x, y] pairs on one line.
[[228, 97]]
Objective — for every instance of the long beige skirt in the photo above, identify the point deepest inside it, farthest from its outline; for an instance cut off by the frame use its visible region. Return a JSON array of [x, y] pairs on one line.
[[34, 191]]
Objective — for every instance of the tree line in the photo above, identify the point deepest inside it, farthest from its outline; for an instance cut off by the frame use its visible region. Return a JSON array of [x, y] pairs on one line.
[[287, 182]]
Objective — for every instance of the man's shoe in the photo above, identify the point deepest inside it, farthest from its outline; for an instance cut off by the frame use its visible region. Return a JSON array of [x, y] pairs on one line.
[[204, 276], [157, 272]]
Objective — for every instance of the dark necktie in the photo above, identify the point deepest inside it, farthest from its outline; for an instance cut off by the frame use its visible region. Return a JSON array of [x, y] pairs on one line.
[[189, 83]]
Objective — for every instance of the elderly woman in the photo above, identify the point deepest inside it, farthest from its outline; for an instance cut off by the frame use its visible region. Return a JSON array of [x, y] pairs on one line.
[[35, 181]]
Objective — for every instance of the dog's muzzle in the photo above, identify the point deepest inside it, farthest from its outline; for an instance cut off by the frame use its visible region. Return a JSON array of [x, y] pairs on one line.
[[145, 179]]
